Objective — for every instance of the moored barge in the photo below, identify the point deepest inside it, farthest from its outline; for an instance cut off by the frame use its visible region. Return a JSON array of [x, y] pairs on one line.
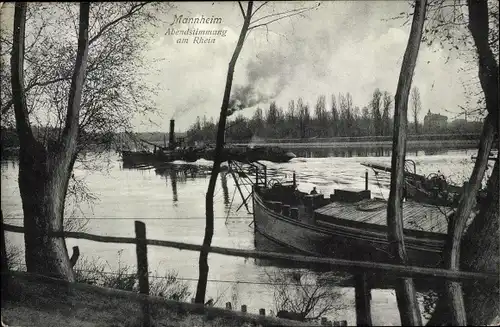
[[348, 224]]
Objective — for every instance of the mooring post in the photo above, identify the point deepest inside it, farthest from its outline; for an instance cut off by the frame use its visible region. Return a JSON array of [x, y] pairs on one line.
[[244, 308], [262, 312], [142, 268], [363, 298], [366, 180]]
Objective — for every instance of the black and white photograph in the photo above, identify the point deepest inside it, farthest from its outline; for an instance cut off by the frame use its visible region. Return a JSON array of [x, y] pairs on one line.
[[250, 163]]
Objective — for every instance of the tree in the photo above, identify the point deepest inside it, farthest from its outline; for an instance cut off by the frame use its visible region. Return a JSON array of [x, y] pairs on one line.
[[335, 116], [75, 95], [416, 106], [302, 117], [386, 120], [44, 173], [272, 114], [321, 115], [377, 117], [303, 295], [405, 288], [257, 122], [248, 26]]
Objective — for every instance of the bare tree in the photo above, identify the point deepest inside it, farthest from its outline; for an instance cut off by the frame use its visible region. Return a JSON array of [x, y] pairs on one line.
[[386, 120], [302, 295], [376, 115], [44, 173], [405, 289], [416, 106], [250, 22], [71, 99]]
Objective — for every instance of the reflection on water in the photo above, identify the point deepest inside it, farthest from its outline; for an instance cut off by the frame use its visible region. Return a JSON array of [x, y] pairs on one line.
[[181, 173], [225, 190]]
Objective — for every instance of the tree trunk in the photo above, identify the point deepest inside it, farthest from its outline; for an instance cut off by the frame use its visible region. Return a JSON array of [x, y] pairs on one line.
[[44, 173], [5, 264], [480, 252], [219, 145], [456, 227], [405, 290], [43, 194]]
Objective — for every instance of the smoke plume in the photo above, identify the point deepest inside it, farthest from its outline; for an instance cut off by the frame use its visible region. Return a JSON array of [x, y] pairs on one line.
[[267, 75]]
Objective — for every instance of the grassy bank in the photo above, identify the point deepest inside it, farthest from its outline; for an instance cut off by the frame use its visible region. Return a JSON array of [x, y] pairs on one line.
[[42, 301]]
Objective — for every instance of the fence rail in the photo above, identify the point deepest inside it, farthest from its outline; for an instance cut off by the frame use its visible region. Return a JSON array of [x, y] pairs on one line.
[[352, 266]]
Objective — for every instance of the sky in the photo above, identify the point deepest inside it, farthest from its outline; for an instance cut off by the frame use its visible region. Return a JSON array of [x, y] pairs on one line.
[[339, 47], [342, 46]]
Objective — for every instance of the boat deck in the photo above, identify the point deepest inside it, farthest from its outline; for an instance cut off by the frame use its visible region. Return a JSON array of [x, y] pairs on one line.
[[416, 216]]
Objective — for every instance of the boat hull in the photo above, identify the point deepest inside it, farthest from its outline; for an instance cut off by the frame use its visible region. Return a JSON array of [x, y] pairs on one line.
[[337, 241]]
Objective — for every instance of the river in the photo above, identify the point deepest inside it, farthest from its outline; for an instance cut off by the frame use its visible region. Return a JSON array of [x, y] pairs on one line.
[[171, 203]]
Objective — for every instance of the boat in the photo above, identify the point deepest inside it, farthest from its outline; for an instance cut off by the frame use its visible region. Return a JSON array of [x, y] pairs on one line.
[[348, 224], [177, 150], [432, 189]]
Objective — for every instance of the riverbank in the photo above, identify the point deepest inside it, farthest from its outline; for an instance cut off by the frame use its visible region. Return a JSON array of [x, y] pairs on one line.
[[36, 301], [411, 144]]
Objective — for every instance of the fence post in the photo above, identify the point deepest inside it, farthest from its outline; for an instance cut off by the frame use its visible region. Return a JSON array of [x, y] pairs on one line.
[[142, 268], [363, 297], [74, 256], [366, 180]]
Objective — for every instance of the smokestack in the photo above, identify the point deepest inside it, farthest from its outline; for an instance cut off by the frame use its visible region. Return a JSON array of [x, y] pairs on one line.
[[171, 136]]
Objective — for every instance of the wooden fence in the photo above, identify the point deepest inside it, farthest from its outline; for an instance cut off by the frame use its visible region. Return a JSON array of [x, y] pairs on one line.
[[358, 268]]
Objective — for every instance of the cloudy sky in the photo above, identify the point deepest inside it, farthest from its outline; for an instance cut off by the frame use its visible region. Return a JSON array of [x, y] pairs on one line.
[[342, 46]]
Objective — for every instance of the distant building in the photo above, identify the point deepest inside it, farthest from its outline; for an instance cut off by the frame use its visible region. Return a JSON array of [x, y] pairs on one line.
[[434, 123]]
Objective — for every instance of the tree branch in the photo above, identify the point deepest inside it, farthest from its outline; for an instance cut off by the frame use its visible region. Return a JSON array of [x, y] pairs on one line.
[[17, 76], [289, 13], [255, 11], [132, 10], [67, 77], [281, 13], [241, 8], [70, 131]]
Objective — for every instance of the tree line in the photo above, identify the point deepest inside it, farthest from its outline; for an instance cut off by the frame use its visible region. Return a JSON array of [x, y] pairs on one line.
[[339, 117]]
